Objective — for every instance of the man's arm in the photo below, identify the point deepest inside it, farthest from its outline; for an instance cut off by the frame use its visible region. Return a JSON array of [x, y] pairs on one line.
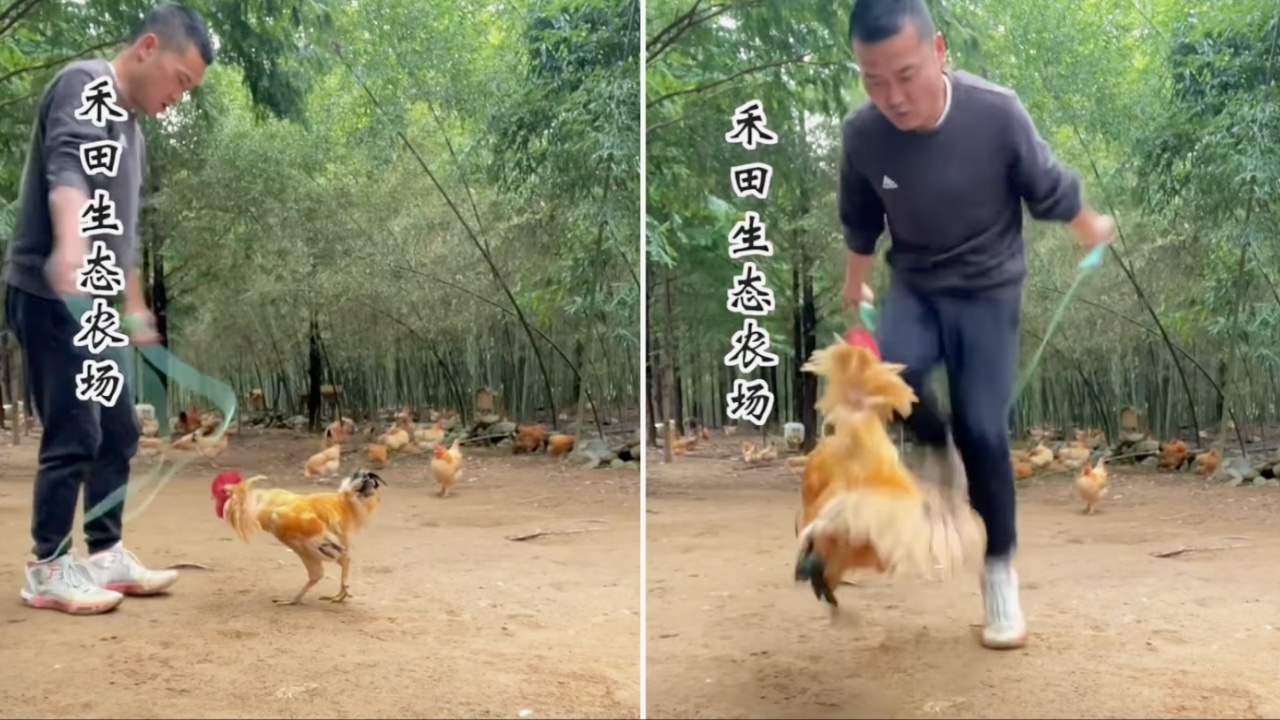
[[134, 299], [862, 215], [1051, 190], [69, 186]]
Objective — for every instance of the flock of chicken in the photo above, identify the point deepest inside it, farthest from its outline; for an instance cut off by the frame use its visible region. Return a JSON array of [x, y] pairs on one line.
[[1091, 480]]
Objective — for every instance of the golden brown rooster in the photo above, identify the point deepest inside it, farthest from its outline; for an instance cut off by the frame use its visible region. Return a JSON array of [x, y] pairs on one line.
[[861, 509]]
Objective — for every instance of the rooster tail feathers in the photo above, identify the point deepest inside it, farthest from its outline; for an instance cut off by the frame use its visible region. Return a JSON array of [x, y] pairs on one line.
[[858, 381], [911, 534]]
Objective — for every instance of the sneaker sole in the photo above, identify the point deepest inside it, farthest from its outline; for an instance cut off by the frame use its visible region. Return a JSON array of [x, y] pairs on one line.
[[44, 603], [139, 590], [1016, 643]]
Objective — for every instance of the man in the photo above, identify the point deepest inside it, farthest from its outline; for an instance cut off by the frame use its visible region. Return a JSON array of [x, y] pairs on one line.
[[949, 159], [85, 442]]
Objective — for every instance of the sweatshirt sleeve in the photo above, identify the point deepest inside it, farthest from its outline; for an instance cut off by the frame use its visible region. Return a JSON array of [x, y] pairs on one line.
[[861, 211], [64, 134], [1050, 190]]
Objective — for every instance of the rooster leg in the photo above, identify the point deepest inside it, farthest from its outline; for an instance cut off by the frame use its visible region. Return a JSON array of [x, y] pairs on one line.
[[345, 562], [315, 573]]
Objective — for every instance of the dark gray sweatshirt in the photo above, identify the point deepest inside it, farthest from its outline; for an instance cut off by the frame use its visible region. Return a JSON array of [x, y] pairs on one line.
[[53, 160], [952, 196]]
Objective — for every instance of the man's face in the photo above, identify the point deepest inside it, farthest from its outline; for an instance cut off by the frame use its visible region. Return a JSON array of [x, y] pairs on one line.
[[165, 75], [903, 76]]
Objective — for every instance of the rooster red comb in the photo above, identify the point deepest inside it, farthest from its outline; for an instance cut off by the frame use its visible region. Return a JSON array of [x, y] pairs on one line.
[[860, 337], [225, 478]]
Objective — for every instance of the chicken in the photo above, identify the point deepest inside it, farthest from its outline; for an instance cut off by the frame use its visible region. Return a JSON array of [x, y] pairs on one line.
[[1173, 455], [446, 465], [560, 444], [705, 434], [395, 439], [316, 527], [152, 448], [861, 509], [752, 455], [529, 438], [204, 443], [1040, 457], [1091, 485], [1074, 456], [730, 430], [377, 454], [1207, 462], [337, 432], [323, 463], [429, 437], [1023, 470]]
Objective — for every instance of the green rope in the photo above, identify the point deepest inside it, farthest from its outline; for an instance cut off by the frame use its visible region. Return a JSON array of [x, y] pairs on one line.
[[1091, 262], [218, 393]]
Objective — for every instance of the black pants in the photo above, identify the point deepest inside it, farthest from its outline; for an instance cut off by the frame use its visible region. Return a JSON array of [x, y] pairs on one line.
[[84, 442], [975, 337]]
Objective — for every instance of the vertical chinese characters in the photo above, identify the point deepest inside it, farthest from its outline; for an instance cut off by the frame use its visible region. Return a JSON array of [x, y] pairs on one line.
[[100, 380], [750, 295]]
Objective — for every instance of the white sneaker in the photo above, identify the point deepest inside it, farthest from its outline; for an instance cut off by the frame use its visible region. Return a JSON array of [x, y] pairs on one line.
[[1005, 626], [64, 584], [120, 570]]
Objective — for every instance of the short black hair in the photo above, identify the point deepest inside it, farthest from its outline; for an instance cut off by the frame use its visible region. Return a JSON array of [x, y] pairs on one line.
[[178, 27], [871, 21]]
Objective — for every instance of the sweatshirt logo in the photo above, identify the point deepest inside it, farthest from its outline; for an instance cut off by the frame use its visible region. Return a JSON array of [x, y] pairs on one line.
[[888, 183]]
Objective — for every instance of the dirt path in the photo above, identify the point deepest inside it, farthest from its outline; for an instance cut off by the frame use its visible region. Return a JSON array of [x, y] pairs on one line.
[[447, 619], [1115, 631]]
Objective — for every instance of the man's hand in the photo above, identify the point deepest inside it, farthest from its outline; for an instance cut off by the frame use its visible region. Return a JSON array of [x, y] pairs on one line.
[[63, 264], [855, 293], [1092, 229], [141, 326]]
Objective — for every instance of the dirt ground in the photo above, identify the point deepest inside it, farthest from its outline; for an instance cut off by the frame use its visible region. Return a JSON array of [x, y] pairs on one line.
[[448, 618], [1115, 632]]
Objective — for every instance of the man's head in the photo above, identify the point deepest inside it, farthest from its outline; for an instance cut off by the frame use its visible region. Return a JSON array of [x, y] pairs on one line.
[[167, 57], [902, 58]]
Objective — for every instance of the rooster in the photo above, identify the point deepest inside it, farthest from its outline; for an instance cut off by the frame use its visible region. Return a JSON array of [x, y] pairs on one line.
[[861, 509], [1091, 485], [446, 465], [316, 527]]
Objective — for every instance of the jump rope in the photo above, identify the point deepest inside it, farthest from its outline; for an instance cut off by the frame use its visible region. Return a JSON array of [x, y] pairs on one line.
[[1088, 265], [219, 394]]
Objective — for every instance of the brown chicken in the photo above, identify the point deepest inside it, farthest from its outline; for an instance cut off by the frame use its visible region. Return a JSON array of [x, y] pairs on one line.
[[754, 455], [208, 446], [323, 463], [446, 466], [1091, 485], [377, 454], [1207, 462], [560, 444], [861, 509], [1173, 455], [317, 527], [529, 438]]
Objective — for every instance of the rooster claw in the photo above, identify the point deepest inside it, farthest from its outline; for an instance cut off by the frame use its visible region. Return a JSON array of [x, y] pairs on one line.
[[279, 601], [341, 596], [810, 567]]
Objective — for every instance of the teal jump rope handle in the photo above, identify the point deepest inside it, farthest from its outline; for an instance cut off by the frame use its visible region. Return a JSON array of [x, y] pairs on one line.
[[867, 312], [1093, 260]]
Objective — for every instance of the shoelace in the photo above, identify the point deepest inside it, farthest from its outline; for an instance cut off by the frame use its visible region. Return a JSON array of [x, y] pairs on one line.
[[75, 575]]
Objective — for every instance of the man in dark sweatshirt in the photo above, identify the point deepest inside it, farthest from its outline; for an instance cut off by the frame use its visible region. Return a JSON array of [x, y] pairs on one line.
[[948, 159], [86, 442]]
